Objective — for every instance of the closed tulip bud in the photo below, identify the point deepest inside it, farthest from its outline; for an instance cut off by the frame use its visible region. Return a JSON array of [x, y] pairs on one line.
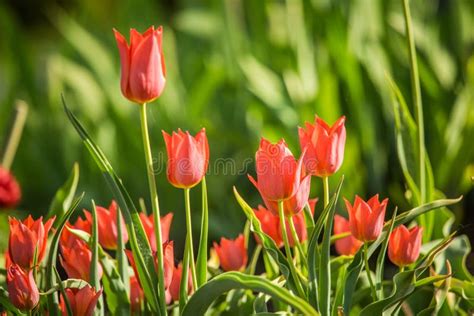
[[366, 218], [324, 146], [76, 260], [188, 158], [404, 245], [143, 65], [148, 225], [270, 224], [175, 285], [26, 238], [137, 296], [232, 253], [82, 301], [347, 246], [10, 192], [22, 289]]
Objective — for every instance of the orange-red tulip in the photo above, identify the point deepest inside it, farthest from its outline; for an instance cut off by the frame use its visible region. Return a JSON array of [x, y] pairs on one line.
[[366, 218], [279, 174], [136, 296], [10, 192], [347, 246], [148, 225], [76, 260], [143, 65], [232, 253], [270, 224], [107, 226], [404, 245], [82, 302], [324, 146], [22, 289], [27, 237], [188, 158], [68, 238], [175, 285]]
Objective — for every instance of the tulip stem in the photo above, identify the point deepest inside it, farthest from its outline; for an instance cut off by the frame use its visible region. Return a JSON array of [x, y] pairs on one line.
[[183, 290], [296, 239], [326, 190], [14, 135], [367, 269], [189, 236], [155, 207], [286, 242]]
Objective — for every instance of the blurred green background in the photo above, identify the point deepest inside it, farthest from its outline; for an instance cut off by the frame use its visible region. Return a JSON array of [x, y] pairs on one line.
[[242, 69]]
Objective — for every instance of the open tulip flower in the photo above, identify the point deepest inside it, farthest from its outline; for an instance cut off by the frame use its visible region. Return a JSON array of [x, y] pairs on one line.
[[366, 219], [76, 260], [10, 192], [82, 301], [22, 289], [232, 253], [404, 245]]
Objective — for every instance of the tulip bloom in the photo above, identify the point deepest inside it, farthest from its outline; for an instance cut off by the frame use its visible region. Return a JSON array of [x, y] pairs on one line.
[[404, 245], [347, 246], [366, 218], [22, 289], [10, 192], [68, 238], [270, 224], [27, 237], [175, 285], [232, 253], [76, 260], [148, 225], [136, 296], [188, 158], [324, 146], [143, 65], [82, 302]]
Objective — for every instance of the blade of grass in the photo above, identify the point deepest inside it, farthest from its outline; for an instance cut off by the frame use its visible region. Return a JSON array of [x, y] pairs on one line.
[[201, 260]]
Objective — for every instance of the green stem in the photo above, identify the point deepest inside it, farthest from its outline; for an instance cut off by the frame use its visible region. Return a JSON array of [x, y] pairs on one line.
[[155, 207], [183, 286], [296, 239], [326, 190], [253, 262], [416, 95], [281, 214], [367, 269], [189, 237], [402, 268], [14, 136]]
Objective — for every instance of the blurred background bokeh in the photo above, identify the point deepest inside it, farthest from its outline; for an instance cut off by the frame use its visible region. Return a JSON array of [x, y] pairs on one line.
[[242, 69]]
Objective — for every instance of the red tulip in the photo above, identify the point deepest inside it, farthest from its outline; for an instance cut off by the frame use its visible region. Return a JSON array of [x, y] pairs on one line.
[[324, 146], [82, 302], [300, 227], [366, 219], [312, 205], [143, 65], [232, 253], [107, 226], [175, 285], [347, 246], [270, 224], [147, 222], [188, 158], [279, 175], [10, 192], [68, 238], [404, 245], [27, 237], [136, 295], [76, 260], [22, 289]]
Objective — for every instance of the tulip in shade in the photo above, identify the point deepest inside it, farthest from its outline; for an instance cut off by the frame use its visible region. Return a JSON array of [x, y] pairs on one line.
[[175, 285], [188, 158], [10, 192], [404, 245], [366, 218], [82, 302], [107, 226], [136, 296], [324, 146], [347, 246], [148, 225], [76, 260], [143, 65], [27, 237], [270, 224], [22, 289], [232, 253]]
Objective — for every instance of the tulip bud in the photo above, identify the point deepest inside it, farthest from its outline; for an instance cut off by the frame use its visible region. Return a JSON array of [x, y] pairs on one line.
[[82, 302], [404, 245], [26, 238], [148, 225], [270, 224], [324, 146], [143, 65], [10, 192], [175, 285], [347, 246], [366, 218], [232, 253], [76, 260], [188, 158], [22, 289]]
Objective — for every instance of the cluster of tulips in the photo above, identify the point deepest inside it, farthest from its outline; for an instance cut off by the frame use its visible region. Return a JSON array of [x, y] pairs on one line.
[[283, 182]]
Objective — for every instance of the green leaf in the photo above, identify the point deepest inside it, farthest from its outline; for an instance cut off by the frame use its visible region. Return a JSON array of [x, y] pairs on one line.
[[137, 238], [94, 267], [205, 296], [66, 284], [201, 260], [64, 196]]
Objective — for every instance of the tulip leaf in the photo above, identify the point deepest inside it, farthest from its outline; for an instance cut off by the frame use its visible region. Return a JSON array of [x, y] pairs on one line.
[[62, 290], [53, 301], [94, 267], [64, 196], [138, 241], [116, 294], [201, 259], [66, 284], [209, 292]]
